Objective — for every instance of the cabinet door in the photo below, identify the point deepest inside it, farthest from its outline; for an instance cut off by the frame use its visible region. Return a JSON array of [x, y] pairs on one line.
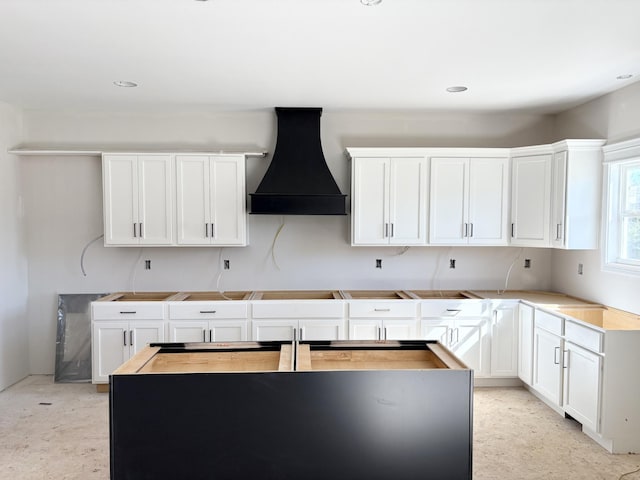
[[228, 331], [369, 195], [547, 368], [559, 179], [582, 385], [448, 201], [228, 212], [189, 331], [110, 348], [143, 333], [155, 199], [530, 195], [436, 330], [407, 201], [193, 215], [488, 201], [470, 343], [399, 330], [267, 330], [365, 329], [525, 343], [504, 342], [120, 197], [321, 329]]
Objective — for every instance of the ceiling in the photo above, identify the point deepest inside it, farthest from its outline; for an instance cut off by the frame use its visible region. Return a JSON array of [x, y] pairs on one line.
[[541, 56]]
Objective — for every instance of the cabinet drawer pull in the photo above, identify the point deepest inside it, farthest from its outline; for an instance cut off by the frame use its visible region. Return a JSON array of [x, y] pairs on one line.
[[381, 309], [128, 312], [207, 311]]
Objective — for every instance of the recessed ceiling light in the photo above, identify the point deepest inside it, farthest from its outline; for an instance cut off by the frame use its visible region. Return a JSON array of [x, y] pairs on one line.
[[370, 3], [458, 88], [624, 77], [125, 83]]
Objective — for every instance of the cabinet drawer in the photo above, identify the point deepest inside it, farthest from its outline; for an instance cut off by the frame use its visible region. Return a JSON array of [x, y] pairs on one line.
[[549, 322], [453, 308], [300, 309], [207, 310], [128, 311], [393, 309], [583, 336]]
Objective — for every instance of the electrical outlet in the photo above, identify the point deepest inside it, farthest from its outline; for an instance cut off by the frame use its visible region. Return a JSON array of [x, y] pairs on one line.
[[226, 265], [452, 263], [579, 269], [147, 264], [527, 263], [378, 263]]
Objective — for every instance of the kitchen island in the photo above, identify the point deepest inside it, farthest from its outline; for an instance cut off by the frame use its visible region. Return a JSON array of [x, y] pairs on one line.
[[338, 410]]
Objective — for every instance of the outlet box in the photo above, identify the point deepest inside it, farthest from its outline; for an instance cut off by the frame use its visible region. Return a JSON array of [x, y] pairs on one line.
[[527, 263], [378, 263], [452, 263], [226, 265], [147, 264], [579, 269]]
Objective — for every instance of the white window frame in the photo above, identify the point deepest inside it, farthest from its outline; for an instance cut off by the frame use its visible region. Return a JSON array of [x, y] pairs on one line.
[[617, 158]]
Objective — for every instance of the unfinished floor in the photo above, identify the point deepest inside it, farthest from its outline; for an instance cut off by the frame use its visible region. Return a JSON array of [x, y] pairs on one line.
[[60, 431]]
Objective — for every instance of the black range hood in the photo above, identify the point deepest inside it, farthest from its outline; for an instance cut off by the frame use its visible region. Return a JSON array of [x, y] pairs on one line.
[[298, 180]]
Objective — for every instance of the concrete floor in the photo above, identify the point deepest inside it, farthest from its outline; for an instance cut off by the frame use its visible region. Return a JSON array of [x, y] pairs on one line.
[[60, 431]]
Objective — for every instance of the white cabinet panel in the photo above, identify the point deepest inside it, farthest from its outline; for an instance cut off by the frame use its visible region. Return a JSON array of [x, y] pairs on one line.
[[525, 343], [530, 200], [138, 199], [379, 329], [488, 201], [504, 341], [582, 385], [547, 369], [369, 201], [448, 215]]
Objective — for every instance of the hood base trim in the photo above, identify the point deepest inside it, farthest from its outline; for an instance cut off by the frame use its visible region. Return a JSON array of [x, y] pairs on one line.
[[274, 204]]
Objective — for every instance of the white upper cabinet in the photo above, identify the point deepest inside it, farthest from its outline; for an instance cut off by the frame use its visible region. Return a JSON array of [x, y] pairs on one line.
[[468, 201], [575, 199], [211, 207], [388, 201], [530, 200], [138, 199]]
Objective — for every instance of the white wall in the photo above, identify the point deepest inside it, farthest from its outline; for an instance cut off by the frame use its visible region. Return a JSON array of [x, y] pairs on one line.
[[14, 355], [64, 212], [614, 117]]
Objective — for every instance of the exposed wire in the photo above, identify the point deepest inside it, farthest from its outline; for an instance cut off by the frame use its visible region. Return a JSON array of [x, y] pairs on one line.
[[135, 272], [506, 280], [629, 473], [84, 250], [273, 244], [220, 272]]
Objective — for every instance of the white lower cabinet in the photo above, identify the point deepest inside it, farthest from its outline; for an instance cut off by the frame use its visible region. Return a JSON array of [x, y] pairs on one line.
[[547, 365], [582, 374], [467, 338], [382, 329], [291, 329], [504, 339], [208, 331], [114, 342], [525, 343]]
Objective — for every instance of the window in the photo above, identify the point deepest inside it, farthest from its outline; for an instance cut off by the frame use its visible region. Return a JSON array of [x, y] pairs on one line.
[[622, 216]]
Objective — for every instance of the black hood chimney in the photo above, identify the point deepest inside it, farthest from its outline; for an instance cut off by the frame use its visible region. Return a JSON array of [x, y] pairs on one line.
[[298, 180]]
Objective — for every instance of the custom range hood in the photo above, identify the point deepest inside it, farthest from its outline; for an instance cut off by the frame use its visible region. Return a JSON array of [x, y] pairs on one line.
[[298, 180]]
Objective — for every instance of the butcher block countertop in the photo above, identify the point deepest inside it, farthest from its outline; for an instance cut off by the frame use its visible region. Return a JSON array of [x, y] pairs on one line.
[[543, 299]]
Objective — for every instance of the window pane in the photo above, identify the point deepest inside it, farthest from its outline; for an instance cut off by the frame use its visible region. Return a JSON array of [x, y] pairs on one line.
[[631, 238], [631, 195]]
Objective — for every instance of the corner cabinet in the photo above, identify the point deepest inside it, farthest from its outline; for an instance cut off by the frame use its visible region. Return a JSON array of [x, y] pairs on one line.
[[211, 200], [468, 201], [388, 198], [138, 199]]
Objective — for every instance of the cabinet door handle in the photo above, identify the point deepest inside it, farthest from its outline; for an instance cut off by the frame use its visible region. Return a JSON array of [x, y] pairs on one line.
[[451, 336], [124, 338], [565, 359], [558, 231], [140, 230], [207, 311], [301, 333], [129, 312], [295, 334], [134, 231], [206, 230], [211, 335], [385, 333], [386, 230], [392, 229], [204, 334], [131, 337], [556, 356], [457, 335], [466, 230], [512, 227], [213, 230], [471, 229]]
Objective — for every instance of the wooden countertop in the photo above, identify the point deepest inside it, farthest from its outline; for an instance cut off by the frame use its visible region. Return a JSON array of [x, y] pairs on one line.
[[545, 299]]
